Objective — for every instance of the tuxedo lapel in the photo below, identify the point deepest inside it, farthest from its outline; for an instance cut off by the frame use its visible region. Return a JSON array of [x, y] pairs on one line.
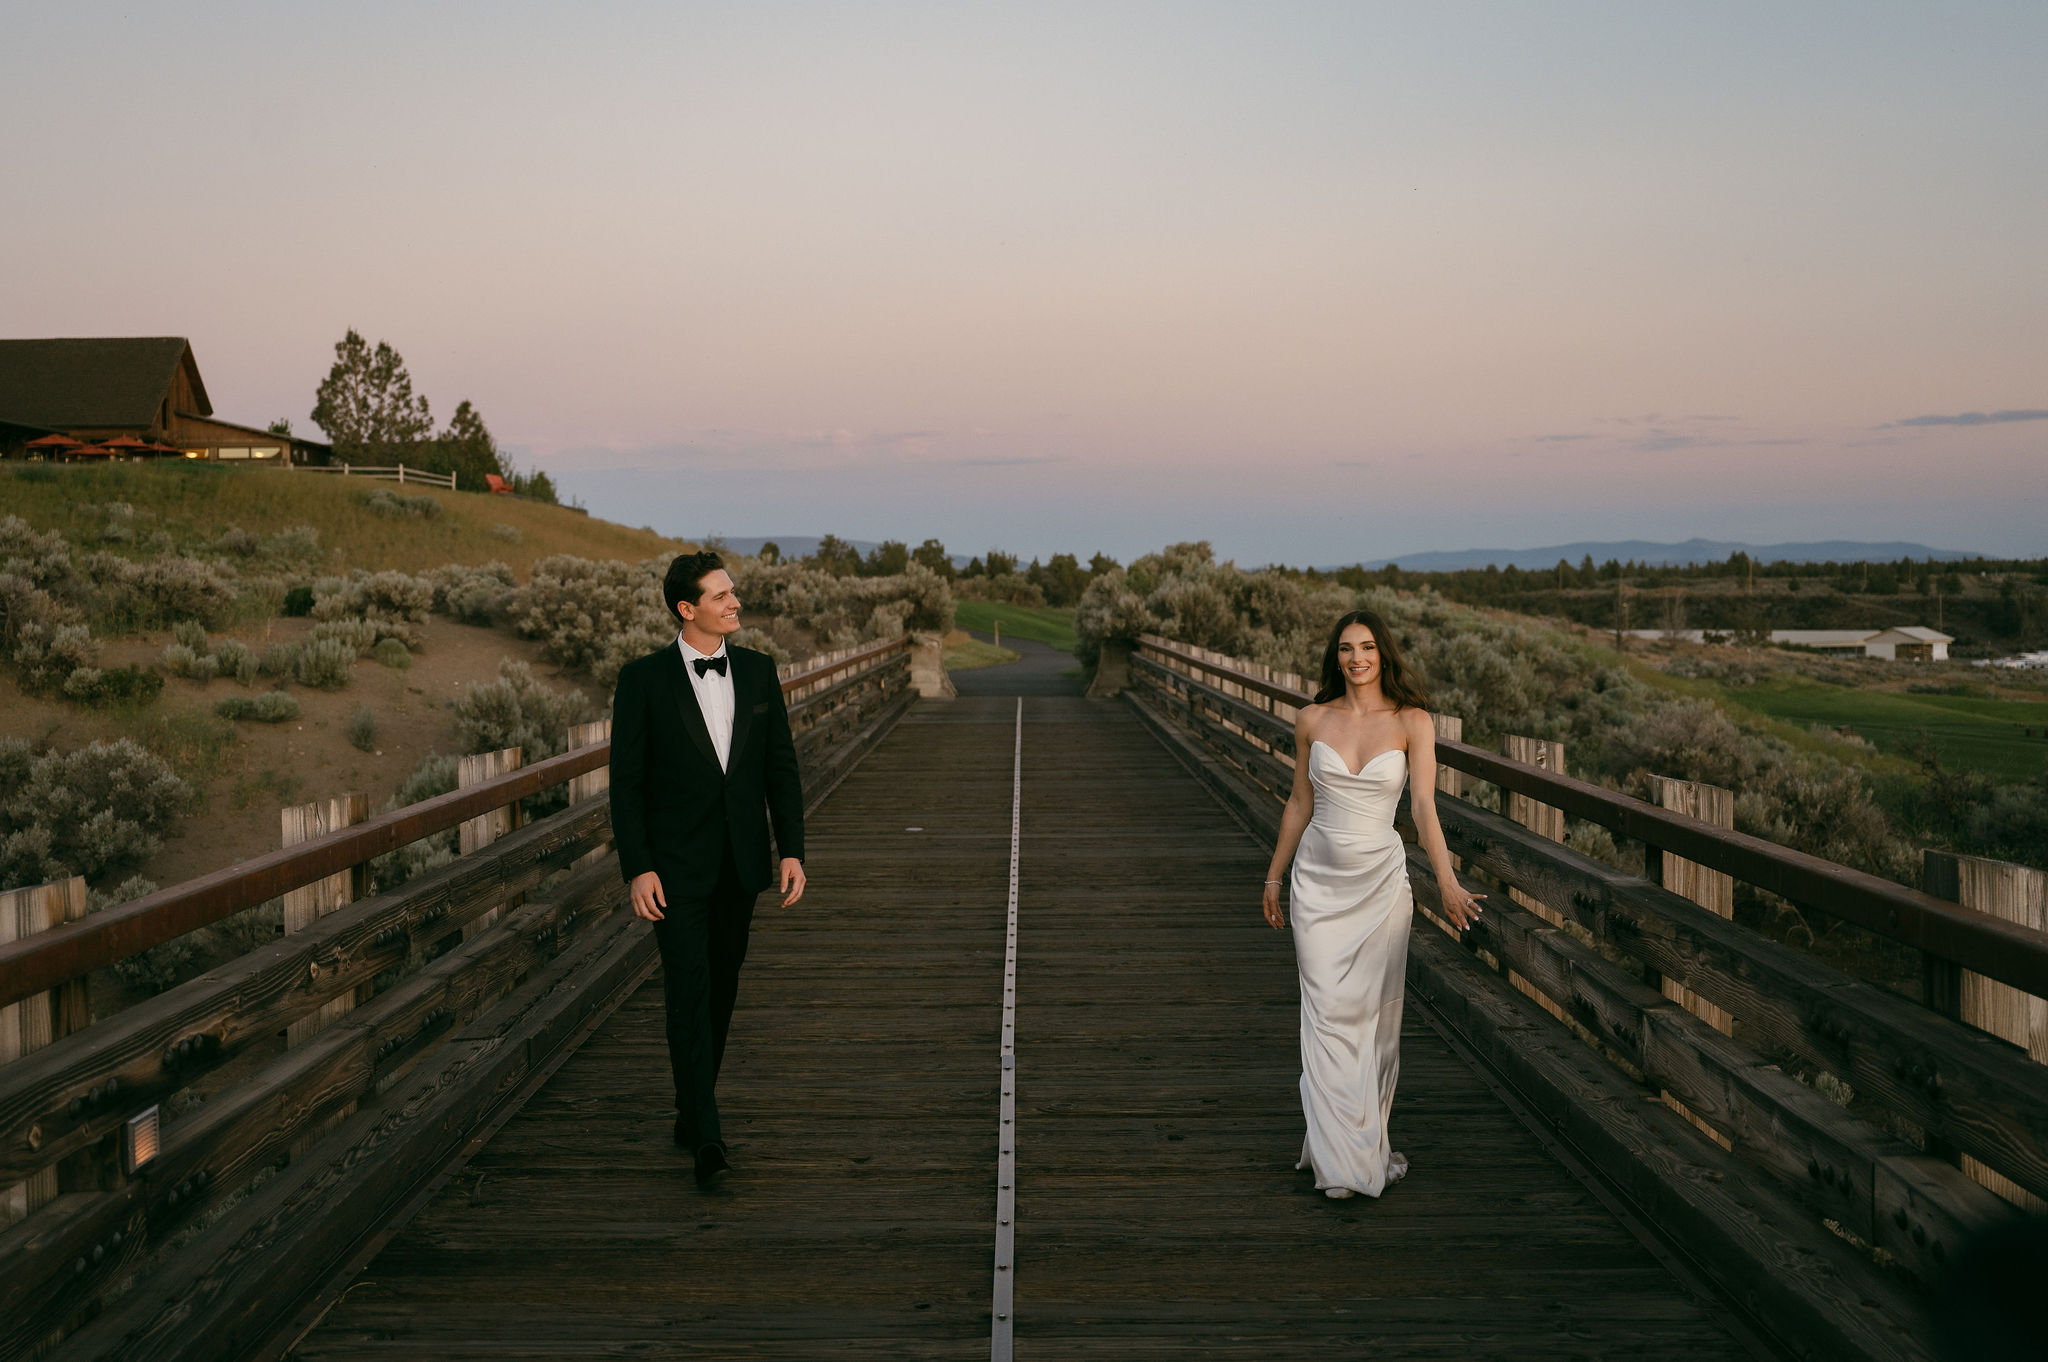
[[742, 707], [686, 705]]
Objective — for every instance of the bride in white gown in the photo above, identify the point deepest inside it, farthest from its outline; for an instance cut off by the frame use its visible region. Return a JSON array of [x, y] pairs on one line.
[[1365, 736]]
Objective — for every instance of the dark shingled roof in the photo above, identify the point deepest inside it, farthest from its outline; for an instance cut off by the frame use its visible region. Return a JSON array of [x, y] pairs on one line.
[[89, 382]]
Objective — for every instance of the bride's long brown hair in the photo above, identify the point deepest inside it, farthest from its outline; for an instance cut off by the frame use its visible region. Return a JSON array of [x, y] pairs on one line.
[[1395, 683]]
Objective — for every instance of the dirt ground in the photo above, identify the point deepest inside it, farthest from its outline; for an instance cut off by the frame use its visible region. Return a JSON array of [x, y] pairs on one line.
[[246, 771]]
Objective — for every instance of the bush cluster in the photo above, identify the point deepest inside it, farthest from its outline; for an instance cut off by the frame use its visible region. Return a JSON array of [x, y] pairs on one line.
[[595, 615], [271, 707], [384, 501], [91, 811], [324, 664], [436, 775], [1507, 675], [51, 597], [396, 604], [362, 729], [516, 710], [194, 656], [474, 595]]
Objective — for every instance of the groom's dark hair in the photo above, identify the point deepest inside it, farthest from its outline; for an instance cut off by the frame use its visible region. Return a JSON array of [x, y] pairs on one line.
[[685, 579]]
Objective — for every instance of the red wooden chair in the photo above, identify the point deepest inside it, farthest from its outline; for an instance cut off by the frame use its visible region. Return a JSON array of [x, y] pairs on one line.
[[498, 485]]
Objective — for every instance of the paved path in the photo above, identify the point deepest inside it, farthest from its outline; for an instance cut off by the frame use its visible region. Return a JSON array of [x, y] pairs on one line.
[[1158, 1211]]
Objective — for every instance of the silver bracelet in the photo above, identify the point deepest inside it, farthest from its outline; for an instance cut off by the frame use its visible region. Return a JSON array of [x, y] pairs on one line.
[[1273, 881]]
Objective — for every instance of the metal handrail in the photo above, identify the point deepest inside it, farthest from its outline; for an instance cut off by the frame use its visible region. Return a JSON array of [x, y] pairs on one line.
[[47, 959], [1977, 941]]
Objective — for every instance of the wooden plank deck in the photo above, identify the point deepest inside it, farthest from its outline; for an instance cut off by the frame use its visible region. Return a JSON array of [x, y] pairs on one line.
[[1158, 1209]]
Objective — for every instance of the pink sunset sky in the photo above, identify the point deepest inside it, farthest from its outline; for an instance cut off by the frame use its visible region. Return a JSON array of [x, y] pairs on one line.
[[1318, 283]]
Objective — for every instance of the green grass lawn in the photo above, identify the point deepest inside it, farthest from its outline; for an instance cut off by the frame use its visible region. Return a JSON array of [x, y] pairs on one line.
[[1048, 624], [965, 657], [1968, 732]]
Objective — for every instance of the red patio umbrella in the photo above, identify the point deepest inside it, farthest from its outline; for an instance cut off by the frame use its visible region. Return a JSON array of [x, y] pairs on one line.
[[126, 442], [52, 442]]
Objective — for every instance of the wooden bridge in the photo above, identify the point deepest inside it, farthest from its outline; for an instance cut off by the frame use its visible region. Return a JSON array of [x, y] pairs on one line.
[[1017, 1077]]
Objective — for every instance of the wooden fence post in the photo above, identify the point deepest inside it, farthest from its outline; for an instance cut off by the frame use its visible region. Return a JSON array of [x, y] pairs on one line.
[[32, 1023], [309, 903], [1538, 817], [2015, 893], [591, 784], [1450, 781], [1708, 888], [487, 828]]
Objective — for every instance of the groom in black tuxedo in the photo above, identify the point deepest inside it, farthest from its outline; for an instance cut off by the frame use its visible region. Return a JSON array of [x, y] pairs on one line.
[[702, 761]]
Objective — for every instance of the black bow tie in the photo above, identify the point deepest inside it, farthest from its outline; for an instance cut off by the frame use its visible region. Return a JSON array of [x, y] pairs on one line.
[[710, 664]]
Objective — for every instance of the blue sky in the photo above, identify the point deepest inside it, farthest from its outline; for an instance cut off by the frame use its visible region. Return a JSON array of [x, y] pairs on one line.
[[1314, 282]]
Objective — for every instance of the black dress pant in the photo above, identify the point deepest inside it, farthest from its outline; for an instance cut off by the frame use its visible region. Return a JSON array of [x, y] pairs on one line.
[[703, 941]]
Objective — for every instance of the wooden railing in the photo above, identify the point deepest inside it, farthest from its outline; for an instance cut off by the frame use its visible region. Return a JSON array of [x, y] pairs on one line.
[[280, 1141], [1695, 1021]]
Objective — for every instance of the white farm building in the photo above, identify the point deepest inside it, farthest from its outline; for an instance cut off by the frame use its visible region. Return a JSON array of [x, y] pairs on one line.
[[1903, 643]]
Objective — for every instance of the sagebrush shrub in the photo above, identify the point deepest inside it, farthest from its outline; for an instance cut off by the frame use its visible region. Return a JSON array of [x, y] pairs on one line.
[[396, 603], [474, 595], [48, 654], [509, 533], [271, 707], [362, 729], [236, 659], [326, 664], [386, 502], [116, 685], [192, 635], [97, 808], [360, 635], [516, 710], [279, 659], [393, 654]]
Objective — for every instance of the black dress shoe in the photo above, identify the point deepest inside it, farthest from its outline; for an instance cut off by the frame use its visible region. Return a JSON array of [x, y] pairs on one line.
[[711, 1163]]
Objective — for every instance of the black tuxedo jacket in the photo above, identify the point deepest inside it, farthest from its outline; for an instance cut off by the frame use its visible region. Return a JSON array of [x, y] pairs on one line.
[[673, 811]]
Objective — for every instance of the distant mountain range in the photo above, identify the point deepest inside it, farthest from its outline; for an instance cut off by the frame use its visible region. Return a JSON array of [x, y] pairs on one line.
[[1623, 550], [1667, 555]]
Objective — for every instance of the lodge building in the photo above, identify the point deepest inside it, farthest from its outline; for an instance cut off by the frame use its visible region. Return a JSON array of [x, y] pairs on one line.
[[124, 396]]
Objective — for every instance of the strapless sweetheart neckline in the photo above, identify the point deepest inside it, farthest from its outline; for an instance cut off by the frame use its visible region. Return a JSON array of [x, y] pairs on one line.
[[1388, 752]]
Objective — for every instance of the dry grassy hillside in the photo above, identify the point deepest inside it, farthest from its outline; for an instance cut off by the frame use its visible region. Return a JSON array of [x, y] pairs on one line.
[[187, 499]]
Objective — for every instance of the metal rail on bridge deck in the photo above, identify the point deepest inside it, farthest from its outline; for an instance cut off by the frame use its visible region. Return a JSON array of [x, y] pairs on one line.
[[1988, 945], [44, 961]]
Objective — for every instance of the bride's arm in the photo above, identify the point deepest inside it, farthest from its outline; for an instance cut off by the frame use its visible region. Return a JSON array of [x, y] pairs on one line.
[[1301, 802], [1461, 907]]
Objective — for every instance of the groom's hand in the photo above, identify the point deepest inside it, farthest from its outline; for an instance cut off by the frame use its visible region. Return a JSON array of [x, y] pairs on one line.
[[792, 880], [648, 900]]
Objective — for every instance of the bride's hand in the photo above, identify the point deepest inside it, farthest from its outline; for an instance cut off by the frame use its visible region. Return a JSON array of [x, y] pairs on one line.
[[1271, 902], [1461, 907]]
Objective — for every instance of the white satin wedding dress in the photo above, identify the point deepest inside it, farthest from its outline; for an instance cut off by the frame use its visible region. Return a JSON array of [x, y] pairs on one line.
[[1351, 906]]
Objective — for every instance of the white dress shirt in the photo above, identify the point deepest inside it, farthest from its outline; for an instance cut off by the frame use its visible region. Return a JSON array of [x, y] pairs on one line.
[[714, 697]]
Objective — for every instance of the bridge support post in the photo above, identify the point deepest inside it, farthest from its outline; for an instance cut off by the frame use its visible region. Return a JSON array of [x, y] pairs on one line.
[[1449, 781], [1710, 889], [32, 1023], [928, 667], [1546, 819], [2015, 893], [486, 828], [308, 904], [1112, 670], [590, 784]]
